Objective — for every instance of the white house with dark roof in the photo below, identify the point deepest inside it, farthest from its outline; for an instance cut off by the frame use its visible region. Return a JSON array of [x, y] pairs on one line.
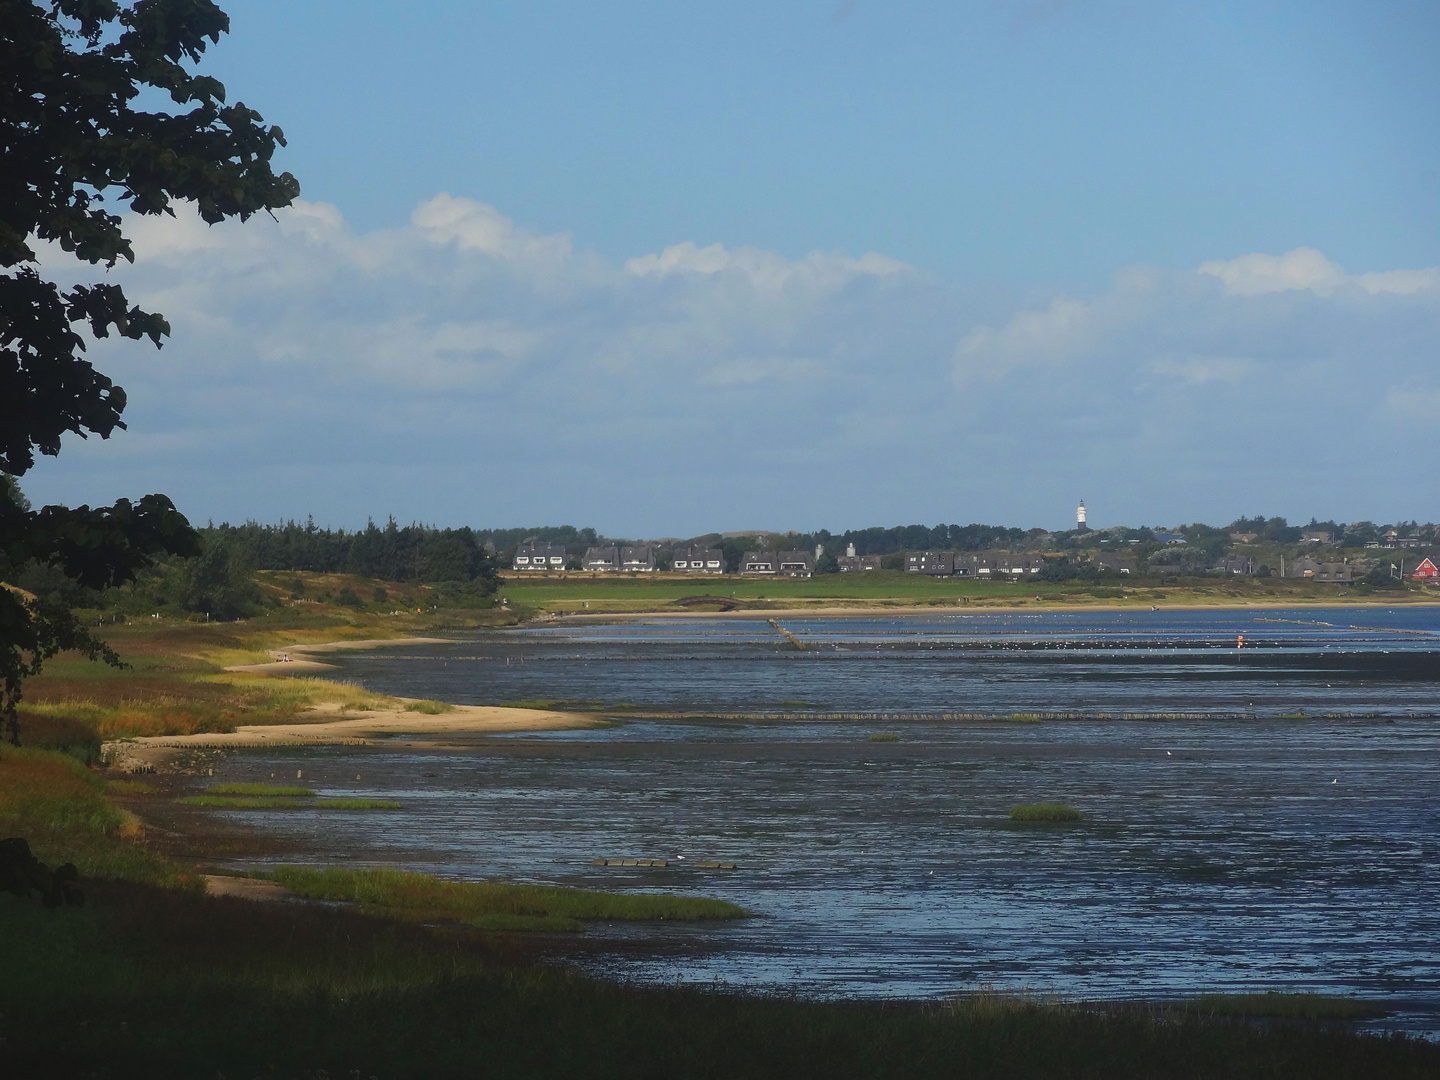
[[601, 559], [796, 563], [535, 556], [639, 559], [760, 562], [698, 561]]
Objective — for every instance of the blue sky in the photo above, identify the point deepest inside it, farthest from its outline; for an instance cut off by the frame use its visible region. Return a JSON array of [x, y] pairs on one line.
[[663, 268]]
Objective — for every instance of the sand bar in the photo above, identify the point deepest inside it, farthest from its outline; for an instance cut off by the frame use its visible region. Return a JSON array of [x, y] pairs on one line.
[[329, 725]]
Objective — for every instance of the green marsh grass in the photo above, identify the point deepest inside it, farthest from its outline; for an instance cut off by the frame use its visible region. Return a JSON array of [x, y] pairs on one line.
[[257, 789], [1281, 1005], [429, 708], [248, 802], [1051, 812], [492, 905], [129, 787], [146, 982], [884, 736], [60, 807]]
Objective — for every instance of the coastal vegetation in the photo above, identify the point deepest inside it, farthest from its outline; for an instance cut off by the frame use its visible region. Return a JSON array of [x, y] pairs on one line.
[[152, 977], [896, 590], [242, 802], [153, 982], [1053, 812], [1277, 1004], [492, 905]]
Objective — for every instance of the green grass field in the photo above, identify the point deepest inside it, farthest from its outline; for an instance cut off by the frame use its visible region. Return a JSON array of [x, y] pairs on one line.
[[882, 588]]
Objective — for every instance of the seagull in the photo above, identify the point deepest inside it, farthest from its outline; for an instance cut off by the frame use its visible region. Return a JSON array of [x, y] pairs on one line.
[[1334, 781], [1168, 754]]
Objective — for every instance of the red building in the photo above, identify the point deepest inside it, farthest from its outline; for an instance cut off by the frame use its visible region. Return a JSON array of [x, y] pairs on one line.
[[1426, 571]]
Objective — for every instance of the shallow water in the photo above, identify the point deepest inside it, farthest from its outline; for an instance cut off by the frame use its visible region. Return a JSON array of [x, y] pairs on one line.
[[1217, 853], [1354, 660]]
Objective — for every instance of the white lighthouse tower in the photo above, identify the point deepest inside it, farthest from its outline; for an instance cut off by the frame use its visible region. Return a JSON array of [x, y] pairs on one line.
[[1080, 525]]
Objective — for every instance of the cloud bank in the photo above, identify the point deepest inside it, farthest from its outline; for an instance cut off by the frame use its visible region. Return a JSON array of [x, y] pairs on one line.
[[466, 369]]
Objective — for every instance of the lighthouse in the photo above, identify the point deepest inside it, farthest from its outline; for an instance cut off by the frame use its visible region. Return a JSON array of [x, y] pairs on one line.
[[1080, 525]]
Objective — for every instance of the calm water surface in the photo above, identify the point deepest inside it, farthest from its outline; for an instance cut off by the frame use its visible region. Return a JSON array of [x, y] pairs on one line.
[[1238, 848]]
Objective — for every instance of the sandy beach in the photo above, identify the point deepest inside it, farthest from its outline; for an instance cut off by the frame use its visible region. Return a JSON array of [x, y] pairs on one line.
[[330, 725]]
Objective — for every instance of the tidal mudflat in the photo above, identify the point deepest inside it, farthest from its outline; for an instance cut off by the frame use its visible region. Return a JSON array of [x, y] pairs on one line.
[[1278, 831]]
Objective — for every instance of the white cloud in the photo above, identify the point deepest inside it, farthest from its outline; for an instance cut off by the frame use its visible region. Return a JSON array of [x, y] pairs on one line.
[[765, 269], [1414, 402], [1306, 268], [745, 372], [466, 368], [1402, 282], [476, 226], [1032, 337], [1256, 275], [1198, 370]]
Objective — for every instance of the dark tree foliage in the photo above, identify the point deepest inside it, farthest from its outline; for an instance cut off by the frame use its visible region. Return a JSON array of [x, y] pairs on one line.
[[219, 583], [74, 149], [394, 553], [880, 541]]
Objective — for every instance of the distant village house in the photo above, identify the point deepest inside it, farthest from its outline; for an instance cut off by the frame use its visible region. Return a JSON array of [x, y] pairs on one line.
[[619, 559], [932, 563], [640, 559], [698, 561], [535, 556], [1312, 570], [779, 563], [1114, 564], [850, 562]]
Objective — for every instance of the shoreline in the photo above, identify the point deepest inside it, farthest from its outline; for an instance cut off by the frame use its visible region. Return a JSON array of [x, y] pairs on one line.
[[855, 612], [332, 726], [304, 652]]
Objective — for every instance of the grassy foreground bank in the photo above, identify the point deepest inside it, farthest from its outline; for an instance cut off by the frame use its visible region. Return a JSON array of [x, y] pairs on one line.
[[145, 982]]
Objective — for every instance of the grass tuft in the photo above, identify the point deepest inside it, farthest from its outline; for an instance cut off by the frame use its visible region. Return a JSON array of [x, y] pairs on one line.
[[491, 905], [430, 708], [256, 789], [244, 802], [60, 807], [1290, 1006], [1045, 812], [128, 787], [884, 736]]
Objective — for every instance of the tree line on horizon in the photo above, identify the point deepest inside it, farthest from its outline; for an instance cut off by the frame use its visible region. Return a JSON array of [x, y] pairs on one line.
[[427, 554]]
